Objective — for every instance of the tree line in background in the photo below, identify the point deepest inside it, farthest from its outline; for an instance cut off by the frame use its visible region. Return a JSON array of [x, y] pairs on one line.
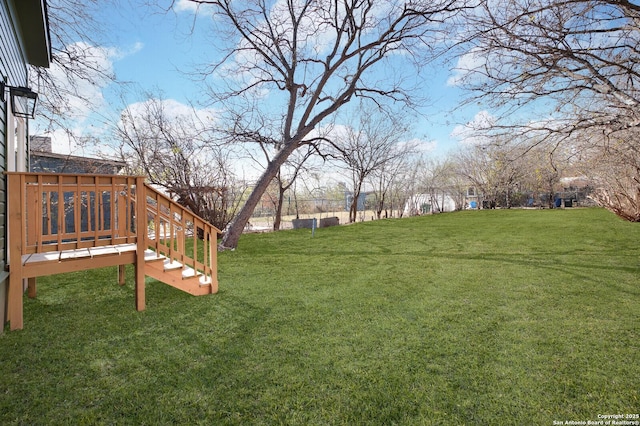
[[305, 87], [373, 169]]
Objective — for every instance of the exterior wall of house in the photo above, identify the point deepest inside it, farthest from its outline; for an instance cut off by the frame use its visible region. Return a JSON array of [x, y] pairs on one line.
[[13, 71]]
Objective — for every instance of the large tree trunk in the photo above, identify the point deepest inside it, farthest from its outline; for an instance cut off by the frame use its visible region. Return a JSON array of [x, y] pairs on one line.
[[278, 214], [233, 233], [353, 210], [550, 200]]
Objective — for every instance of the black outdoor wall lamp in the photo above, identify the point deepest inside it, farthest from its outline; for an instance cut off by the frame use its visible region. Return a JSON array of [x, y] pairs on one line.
[[23, 100]]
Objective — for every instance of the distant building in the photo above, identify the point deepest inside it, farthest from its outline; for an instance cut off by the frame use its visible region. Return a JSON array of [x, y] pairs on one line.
[[362, 201], [42, 160], [419, 204]]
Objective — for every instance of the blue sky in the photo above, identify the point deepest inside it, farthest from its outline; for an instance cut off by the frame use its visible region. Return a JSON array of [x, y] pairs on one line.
[[155, 51]]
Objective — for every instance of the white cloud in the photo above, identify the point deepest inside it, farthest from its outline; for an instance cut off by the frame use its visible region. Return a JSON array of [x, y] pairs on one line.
[[549, 123], [186, 6], [82, 96], [63, 143], [129, 51], [468, 63], [422, 146], [474, 132], [84, 93], [176, 111]]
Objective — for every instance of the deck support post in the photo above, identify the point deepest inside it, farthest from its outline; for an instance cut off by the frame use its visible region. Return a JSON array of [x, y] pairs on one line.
[[141, 232], [121, 275], [15, 301], [32, 288], [15, 237]]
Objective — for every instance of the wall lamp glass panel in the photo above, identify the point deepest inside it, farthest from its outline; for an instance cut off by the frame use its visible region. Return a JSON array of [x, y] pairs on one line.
[[23, 100]]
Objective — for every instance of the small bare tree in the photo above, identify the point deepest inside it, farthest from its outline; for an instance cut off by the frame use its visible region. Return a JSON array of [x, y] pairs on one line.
[[390, 184], [473, 163], [367, 145], [495, 169], [433, 180], [176, 154], [543, 165], [78, 62]]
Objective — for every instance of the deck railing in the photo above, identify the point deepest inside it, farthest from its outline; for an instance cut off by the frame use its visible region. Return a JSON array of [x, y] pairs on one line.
[[67, 212], [170, 225]]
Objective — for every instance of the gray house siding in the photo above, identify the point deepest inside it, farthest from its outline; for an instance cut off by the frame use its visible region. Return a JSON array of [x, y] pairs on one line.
[[12, 58], [23, 33], [14, 69]]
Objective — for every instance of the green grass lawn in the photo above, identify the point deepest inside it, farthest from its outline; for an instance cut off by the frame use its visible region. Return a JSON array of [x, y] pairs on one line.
[[478, 318]]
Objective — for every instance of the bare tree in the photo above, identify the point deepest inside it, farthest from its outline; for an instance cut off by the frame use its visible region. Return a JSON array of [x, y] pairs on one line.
[[505, 174], [496, 170], [443, 184], [578, 57], [176, 154], [574, 63], [542, 167], [389, 183], [303, 60], [473, 163], [454, 184], [615, 170], [78, 61], [372, 141], [407, 184]]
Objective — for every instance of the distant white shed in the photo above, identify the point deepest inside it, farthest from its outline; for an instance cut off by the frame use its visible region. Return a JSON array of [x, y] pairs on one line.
[[427, 203]]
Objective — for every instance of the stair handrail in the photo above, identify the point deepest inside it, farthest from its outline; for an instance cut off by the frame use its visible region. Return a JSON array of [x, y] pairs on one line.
[[171, 224]]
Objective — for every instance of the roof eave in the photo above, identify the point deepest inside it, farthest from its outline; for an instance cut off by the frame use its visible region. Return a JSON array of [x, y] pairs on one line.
[[34, 23]]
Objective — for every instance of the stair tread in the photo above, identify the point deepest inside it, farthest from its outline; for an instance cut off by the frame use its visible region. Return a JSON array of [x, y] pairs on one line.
[[170, 265], [150, 255], [190, 273]]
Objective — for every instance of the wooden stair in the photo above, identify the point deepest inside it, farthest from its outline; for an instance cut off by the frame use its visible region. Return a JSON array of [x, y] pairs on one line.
[[157, 266], [177, 275]]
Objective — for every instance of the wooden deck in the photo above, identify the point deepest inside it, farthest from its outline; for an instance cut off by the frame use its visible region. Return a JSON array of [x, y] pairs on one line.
[[66, 223]]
